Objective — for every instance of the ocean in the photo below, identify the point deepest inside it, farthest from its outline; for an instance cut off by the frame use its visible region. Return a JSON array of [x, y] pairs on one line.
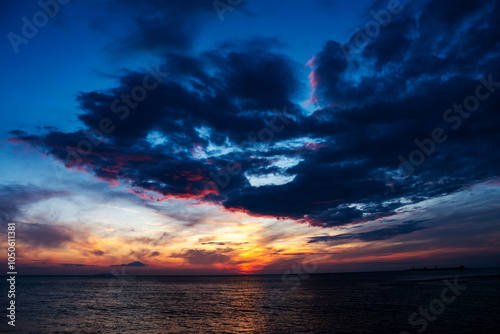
[[454, 301]]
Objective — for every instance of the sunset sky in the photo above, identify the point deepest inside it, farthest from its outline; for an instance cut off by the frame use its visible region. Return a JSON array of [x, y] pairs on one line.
[[205, 137]]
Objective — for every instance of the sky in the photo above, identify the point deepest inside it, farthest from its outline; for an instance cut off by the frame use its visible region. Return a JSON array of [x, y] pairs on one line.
[[250, 137]]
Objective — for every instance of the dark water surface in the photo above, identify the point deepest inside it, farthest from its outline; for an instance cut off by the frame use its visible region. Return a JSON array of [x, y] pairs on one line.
[[324, 303]]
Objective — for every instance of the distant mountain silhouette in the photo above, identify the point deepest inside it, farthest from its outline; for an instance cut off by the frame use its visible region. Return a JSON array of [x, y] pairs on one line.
[[435, 268]]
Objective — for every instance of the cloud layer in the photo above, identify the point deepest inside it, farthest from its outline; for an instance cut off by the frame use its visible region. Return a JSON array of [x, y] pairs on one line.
[[223, 118]]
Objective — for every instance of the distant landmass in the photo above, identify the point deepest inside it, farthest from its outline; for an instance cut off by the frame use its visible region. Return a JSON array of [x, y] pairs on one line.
[[435, 268]]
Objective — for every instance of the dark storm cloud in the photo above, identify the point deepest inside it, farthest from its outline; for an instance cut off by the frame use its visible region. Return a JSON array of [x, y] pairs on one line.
[[375, 235], [154, 25], [378, 105], [175, 111], [260, 82], [393, 90]]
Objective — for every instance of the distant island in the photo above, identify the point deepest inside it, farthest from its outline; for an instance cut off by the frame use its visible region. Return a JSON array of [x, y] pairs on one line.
[[435, 268]]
